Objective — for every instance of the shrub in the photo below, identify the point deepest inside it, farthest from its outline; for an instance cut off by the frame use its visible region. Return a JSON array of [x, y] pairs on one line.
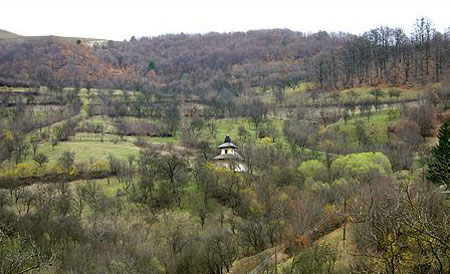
[[24, 170], [313, 169], [361, 166], [99, 168]]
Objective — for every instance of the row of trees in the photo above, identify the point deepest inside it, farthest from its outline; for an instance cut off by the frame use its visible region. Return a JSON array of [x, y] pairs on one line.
[[386, 55], [18, 121]]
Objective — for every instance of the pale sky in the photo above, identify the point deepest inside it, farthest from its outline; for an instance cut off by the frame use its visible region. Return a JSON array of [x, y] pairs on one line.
[[121, 19]]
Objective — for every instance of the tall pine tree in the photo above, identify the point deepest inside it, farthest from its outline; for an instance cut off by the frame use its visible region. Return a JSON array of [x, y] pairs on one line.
[[439, 162]]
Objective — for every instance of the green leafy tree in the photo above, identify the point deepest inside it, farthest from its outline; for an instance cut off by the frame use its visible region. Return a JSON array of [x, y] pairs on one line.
[[66, 161], [394, 93], [378, 94], [256, 112], [41, 160], [361, 133], [361, 166], [172, 119], [439, 162], [35, 141], [313, 169], [173, 169], [21, 149]]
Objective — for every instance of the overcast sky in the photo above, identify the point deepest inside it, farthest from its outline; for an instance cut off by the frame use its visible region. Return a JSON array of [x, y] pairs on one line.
[[121, 19]]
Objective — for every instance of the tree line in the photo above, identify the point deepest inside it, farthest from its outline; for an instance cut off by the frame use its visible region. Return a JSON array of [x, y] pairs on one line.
[[386, 55]]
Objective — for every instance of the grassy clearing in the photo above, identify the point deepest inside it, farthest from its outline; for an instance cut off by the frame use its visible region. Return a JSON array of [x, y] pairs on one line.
[[293, 95], [376, 127], [114, 138], [109, 186], [106, 122], [89, 147], [360, 94], [83, 94], [87, 151], [363, 93], [16, 89], [113, 92], [248, 264], [343, 249], [231, 126], [224, 126], [161, 140], [300, 88]]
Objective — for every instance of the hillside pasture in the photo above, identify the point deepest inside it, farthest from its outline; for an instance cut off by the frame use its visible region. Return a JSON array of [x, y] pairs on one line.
[[87, 151]]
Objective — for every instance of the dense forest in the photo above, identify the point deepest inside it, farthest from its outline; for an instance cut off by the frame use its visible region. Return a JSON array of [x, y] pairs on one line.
[[108, 153], [230, 63]]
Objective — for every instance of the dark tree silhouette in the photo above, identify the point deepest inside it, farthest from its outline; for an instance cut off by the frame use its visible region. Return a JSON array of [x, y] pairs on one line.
[[439, 162]]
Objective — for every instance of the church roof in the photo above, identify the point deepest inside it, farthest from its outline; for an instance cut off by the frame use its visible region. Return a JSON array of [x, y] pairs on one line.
[[227, 143], [228, 156]]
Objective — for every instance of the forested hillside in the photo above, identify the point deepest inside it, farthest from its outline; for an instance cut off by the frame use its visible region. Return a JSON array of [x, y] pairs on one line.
[[230, 63], [110, 159]]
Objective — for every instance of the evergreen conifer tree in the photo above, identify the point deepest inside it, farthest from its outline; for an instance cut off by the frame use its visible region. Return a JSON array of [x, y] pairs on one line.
[[439, 162]]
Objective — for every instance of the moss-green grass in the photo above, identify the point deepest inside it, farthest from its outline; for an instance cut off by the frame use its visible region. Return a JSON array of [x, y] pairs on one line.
[[376, 127], [363, 93], [109, 186], [293, 95], [343, 249], [231, 126], [88, 146], [16, 89], [83, 94], [106, 122], [109, 137], [86, 151]]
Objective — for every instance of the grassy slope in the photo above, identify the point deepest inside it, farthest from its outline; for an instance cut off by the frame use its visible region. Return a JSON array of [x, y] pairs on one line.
[[364, 93], [12, 36], [89, 146], [108, 186], [231, 126], [376, 127], [8, 35], [343, 250], [88, 150], [248, 264]]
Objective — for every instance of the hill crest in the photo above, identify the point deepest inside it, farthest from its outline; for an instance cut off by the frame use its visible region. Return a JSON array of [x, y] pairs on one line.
[[8, 35]]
